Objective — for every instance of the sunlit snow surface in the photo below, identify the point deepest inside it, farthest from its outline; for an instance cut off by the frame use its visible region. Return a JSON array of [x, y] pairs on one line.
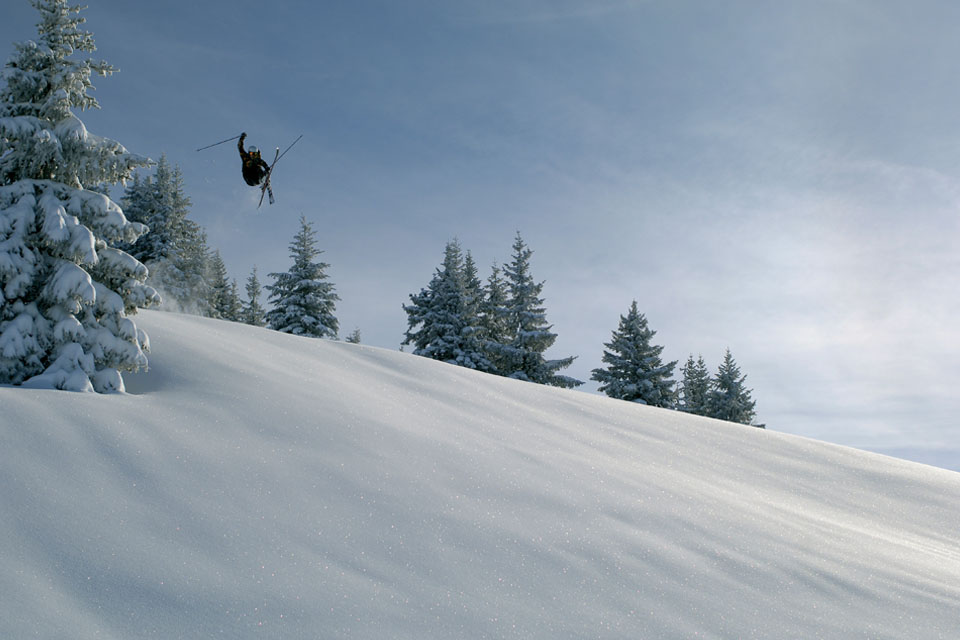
[[259, 485]]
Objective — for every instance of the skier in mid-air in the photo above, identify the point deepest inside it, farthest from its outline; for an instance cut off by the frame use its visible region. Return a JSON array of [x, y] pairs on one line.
[[254, 167]]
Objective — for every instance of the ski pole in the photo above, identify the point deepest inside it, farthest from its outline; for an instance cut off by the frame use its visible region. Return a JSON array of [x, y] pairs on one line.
[[290, 147], [216, 143]]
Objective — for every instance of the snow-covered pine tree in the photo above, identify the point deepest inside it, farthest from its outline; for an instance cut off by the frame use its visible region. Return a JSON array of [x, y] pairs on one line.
[[354, 337], [635, 371], [224, 295], [694, 387], [159, 202], [474, 334], [728, 398], [528, 332], [253, 312], [442, 320], [66, 290], [195, 256], [233, 310], [494, 320], [472, 292], [303, 301]]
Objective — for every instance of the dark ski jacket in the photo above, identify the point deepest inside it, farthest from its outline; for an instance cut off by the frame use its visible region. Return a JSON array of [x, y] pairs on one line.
[[254, 168]]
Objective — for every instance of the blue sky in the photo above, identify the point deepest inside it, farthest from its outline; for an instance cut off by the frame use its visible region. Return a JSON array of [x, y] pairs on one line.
[[779, 179]]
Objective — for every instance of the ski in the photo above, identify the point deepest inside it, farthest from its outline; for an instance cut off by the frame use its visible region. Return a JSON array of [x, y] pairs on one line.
[[266, 188]]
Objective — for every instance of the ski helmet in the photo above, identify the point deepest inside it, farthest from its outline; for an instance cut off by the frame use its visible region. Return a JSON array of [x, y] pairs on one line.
[[253, 150]]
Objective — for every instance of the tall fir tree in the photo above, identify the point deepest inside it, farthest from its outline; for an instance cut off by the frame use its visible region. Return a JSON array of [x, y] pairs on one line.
[[66, 290], [160, 203], [635, 372], [473, 295], [253, 312], [233, 310], [195, 257], [494, 319], [168, 250], [521, 356], [695, 387], [443, 320], [304, 303], [224, 295], [729, 399]]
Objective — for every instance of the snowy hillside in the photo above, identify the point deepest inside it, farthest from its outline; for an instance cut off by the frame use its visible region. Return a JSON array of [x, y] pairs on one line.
[[259, 485]]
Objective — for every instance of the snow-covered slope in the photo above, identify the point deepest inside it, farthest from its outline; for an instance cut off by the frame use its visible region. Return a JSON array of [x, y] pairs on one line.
[[259, 485]]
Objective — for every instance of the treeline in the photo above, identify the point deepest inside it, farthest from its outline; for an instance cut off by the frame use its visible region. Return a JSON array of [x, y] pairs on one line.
[[500, 327]]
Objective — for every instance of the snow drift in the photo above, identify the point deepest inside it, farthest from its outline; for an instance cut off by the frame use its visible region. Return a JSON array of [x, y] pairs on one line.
[[259, 485]]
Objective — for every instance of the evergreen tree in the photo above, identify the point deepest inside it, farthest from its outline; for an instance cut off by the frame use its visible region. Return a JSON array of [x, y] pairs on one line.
[[303, 301], [354, 338], [195, 256], [695, 387], [442, 320], [159, 202], [233, 309], [224, 294], [472, 289], [66, 290], [219, 284], [494, 319], [729, 399], [528, 333], [634, 369], [253, 313], [474, 340]]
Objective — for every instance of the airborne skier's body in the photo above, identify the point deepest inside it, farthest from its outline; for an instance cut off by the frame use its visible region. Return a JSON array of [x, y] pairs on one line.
[[254, 167]]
